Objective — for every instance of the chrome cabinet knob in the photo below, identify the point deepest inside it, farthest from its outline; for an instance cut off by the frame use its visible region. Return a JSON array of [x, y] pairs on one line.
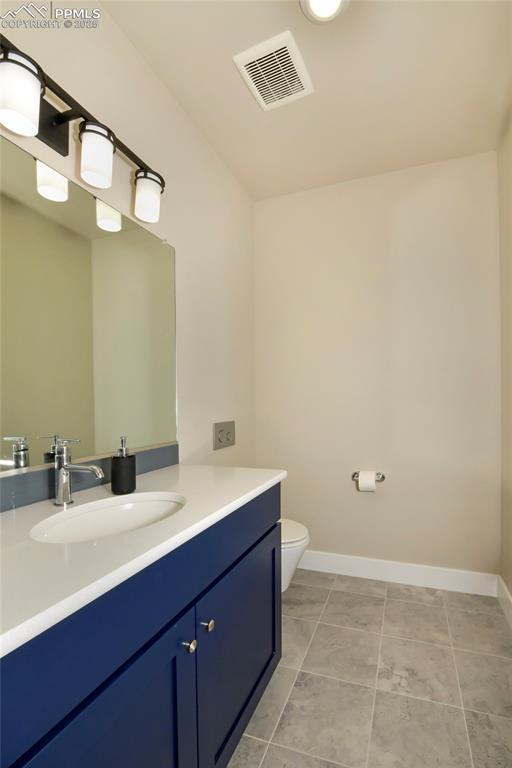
[[208, 625], [191, 647]]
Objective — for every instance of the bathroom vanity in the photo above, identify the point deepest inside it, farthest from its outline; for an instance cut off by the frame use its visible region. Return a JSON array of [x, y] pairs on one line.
[[138, 634], [148, 648]]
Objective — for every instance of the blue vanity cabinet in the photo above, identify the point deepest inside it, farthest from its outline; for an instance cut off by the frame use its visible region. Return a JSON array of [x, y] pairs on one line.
[[114, 684], [144, 716], [237, 655]]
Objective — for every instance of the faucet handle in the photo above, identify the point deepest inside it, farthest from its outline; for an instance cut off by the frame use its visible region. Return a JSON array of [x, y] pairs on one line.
[[61, 447], [19, 441]]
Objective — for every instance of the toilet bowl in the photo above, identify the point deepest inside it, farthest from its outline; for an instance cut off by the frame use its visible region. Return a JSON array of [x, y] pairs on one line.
[[294, 540]]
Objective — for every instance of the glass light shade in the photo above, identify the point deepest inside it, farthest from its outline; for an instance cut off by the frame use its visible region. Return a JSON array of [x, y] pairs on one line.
[[51, 184], [323, 10], [107, 218], [20, 94], [97, 156], [148, 191]]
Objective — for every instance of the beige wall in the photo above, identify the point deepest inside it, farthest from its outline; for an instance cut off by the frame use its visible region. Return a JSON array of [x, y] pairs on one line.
[[206, 216], [377, 347], [406, 263], [46, 368], [133, 321], [505, 187]]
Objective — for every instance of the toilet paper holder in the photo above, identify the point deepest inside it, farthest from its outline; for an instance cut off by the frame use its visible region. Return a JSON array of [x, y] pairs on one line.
[[379, 477]]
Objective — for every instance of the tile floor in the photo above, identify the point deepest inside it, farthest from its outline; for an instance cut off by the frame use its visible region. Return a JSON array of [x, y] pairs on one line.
[[378, 675]]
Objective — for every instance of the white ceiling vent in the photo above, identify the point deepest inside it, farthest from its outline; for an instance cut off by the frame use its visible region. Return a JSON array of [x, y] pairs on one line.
[[275, 71]]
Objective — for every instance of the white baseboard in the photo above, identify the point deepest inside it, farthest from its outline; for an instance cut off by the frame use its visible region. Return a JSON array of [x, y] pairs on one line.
[[505, 599], [405, 573]]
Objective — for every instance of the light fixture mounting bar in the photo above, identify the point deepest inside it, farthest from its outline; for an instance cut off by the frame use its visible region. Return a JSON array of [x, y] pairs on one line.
[[55, 135], [53, 125]]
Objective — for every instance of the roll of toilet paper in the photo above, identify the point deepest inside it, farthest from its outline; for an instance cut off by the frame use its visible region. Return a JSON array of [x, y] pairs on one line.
[[367, 480]]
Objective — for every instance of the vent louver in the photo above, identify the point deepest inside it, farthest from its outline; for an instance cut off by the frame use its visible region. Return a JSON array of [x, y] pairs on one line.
[[275, 71]]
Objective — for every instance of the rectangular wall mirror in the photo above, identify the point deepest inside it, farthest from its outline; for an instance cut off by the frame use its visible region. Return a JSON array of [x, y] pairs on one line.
[[87, 322]]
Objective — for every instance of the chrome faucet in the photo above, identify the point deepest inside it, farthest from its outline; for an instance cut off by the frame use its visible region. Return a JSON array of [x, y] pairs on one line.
[[20, 456], [63, 469]]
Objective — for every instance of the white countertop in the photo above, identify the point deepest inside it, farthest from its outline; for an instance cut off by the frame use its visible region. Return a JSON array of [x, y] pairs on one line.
[[43, 583]]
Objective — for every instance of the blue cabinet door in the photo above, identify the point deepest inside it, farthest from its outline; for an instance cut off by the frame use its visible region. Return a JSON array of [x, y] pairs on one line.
[[144, 716], [237, 656]]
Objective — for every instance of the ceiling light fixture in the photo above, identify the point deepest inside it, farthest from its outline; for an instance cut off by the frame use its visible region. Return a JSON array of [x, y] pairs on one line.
[[51, 184], [21, 87], [320, 11], [98, 147], [107, 218], [23, 110], [148, 189]]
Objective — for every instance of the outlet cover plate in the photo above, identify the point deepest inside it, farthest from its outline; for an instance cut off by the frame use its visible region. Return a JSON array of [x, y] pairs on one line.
[[223, 434]]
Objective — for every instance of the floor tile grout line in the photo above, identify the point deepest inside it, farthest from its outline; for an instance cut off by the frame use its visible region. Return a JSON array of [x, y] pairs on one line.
[[373, 687], [403, 637], [386, 634], [482, 653], [421, 698], [446, 646], [473, 611], [309, 586], [297, 618], [450, 636], [388, 582], [416, 602], [487, 714], [352, 629], [295, 678], [440, 604], [290, 749], [369, 686], [309, 754], [416, 640], [344, 591], [372, 714], [255, 738]]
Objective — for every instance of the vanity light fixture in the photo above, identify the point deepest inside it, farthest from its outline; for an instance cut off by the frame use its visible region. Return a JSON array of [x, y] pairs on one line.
[[97, 160], [148, 189], [320, 11], [51, 184], [24, 111], [21, 89], [107, 218]]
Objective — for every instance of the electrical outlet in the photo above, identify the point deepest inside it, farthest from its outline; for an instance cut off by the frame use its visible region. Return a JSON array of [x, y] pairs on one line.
[[223, 434]]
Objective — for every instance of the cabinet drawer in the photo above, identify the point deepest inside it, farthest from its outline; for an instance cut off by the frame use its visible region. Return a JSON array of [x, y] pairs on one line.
[[145, 716]]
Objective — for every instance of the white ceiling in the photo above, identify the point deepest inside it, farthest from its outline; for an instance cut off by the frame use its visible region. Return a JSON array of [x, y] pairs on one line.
[[397, 84]]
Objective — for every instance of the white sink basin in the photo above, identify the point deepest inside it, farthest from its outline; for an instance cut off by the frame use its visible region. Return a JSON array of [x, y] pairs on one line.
[[107, 517]]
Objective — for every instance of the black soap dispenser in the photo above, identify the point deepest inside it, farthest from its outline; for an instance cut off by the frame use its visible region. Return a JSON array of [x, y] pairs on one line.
[[123, 477], [49, 454]]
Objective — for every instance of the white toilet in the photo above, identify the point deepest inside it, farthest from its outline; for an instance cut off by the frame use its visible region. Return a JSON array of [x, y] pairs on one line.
[[294, 540]]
